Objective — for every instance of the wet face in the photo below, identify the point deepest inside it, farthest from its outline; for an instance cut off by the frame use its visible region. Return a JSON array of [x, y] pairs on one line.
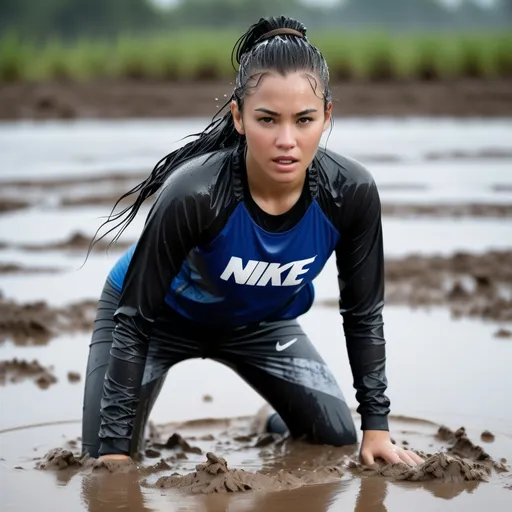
[[283, 119]]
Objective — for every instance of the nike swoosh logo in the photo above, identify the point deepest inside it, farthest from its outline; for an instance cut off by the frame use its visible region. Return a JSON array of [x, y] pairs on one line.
[[280, 347]]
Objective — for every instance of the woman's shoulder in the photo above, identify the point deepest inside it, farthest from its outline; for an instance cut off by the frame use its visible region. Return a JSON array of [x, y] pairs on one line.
[[342, 170], [198, 176], [344, 186]]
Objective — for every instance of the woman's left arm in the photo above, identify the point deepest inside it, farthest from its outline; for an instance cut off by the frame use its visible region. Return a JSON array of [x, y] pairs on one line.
[[360, 262]]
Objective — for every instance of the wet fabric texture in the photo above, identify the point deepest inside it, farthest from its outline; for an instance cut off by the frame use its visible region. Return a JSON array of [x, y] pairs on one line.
[[204, 254], [276, 358]]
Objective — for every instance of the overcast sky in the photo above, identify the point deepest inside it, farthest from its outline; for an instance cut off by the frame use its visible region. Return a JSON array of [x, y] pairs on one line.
[[331, 2]]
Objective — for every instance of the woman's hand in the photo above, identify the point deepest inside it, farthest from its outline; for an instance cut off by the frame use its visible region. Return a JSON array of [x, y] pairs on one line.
[[377, 443]]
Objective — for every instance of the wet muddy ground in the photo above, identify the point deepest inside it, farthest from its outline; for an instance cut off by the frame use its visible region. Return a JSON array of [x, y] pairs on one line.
[[448, 324], [156, 98]]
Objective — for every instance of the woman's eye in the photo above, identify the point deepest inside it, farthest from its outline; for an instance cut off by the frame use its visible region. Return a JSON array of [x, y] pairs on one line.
[[266, 120], [305, 120]]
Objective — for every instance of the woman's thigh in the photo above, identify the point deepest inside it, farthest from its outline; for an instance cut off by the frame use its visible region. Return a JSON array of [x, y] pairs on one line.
[[165, 349], [279, 361], [97, 363]]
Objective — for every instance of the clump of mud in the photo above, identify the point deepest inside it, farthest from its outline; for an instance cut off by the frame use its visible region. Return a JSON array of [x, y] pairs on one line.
[[437, 467], [471, 284], [463, 461], [13, 268], [487, 437], [462, 446], [16, 370], [76, 242], [447, 210], [8, 204], [214, 476], [74, 377], [475, 285], [37, 322], [103, 181], [293, 464], [59, 459], [177, 441], [492, 153]]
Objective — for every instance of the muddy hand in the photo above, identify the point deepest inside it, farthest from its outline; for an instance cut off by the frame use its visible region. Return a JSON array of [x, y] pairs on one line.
[[377, 443]]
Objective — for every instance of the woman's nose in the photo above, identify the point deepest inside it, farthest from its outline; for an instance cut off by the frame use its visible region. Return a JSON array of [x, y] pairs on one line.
[[285, 138]]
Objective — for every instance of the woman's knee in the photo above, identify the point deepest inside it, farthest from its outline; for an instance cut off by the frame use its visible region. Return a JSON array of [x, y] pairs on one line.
[[335, 428]]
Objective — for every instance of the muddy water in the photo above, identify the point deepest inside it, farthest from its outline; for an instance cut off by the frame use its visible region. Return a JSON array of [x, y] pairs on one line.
[[441, 371]]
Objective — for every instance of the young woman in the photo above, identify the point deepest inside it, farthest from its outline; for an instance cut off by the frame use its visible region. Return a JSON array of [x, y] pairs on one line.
[[245, 218]]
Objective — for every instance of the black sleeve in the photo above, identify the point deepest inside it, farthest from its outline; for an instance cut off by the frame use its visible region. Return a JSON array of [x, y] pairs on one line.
[[172, 229], [360, 264]]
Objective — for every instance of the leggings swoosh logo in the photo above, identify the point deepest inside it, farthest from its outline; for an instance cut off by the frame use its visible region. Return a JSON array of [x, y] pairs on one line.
[[280, 347]]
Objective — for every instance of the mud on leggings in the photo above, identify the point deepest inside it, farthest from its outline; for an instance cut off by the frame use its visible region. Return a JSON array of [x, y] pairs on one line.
[[276, 359]]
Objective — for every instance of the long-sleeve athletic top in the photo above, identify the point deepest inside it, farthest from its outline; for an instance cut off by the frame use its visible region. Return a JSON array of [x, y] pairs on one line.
[[208, 252]]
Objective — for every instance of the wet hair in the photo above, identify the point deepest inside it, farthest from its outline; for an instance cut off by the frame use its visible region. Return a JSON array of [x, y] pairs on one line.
[[272, 44]]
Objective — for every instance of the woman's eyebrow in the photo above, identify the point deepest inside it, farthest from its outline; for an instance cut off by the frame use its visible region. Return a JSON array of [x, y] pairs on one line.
[[277, 114]]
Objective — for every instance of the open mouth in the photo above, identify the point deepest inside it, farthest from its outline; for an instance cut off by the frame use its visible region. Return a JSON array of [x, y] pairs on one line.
[[285, 161]]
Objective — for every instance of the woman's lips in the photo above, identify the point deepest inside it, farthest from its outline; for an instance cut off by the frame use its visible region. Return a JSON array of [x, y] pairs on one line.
[[285, 164]]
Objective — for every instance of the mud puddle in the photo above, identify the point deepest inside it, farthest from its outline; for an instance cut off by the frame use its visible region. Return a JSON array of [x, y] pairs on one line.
[[311, 478], [234, 470], [448, 369]]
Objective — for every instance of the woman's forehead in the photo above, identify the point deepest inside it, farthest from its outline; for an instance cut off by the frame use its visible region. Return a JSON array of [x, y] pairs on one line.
[[296, 86]]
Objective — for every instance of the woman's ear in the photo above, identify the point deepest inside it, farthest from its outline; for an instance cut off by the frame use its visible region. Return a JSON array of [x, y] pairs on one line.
[[328, 115], [237, 117]]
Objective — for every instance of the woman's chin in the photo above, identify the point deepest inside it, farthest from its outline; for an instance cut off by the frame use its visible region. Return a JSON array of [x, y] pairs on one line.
[[286, 176]]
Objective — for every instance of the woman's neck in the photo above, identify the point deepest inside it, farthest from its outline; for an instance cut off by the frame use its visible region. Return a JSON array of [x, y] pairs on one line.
[[272, 197]]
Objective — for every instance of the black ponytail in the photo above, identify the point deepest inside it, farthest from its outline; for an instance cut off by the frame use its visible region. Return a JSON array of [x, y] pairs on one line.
[[253, 51], [219, 134], [257, 32]]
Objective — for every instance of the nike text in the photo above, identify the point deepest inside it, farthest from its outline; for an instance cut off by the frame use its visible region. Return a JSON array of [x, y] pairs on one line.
[[261, 273]]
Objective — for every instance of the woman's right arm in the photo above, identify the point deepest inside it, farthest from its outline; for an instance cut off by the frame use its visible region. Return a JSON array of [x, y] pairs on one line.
[[171, 231]]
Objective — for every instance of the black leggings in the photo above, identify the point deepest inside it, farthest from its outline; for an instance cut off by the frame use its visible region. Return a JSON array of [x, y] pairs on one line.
[[276, 359]]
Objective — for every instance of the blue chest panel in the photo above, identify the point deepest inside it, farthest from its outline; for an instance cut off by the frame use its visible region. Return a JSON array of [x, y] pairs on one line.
[[247, 274]]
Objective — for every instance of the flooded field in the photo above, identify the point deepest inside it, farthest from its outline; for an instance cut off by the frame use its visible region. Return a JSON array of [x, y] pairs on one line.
[[446, 189]]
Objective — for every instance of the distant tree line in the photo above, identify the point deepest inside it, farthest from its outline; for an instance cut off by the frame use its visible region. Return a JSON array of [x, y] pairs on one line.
[[70, 19]]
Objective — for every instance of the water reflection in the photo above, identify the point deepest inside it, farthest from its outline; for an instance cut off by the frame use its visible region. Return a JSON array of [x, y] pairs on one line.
[[105, 492], [102, 492], [442, 490], [318, 498], [110, 492], [371, 496]]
